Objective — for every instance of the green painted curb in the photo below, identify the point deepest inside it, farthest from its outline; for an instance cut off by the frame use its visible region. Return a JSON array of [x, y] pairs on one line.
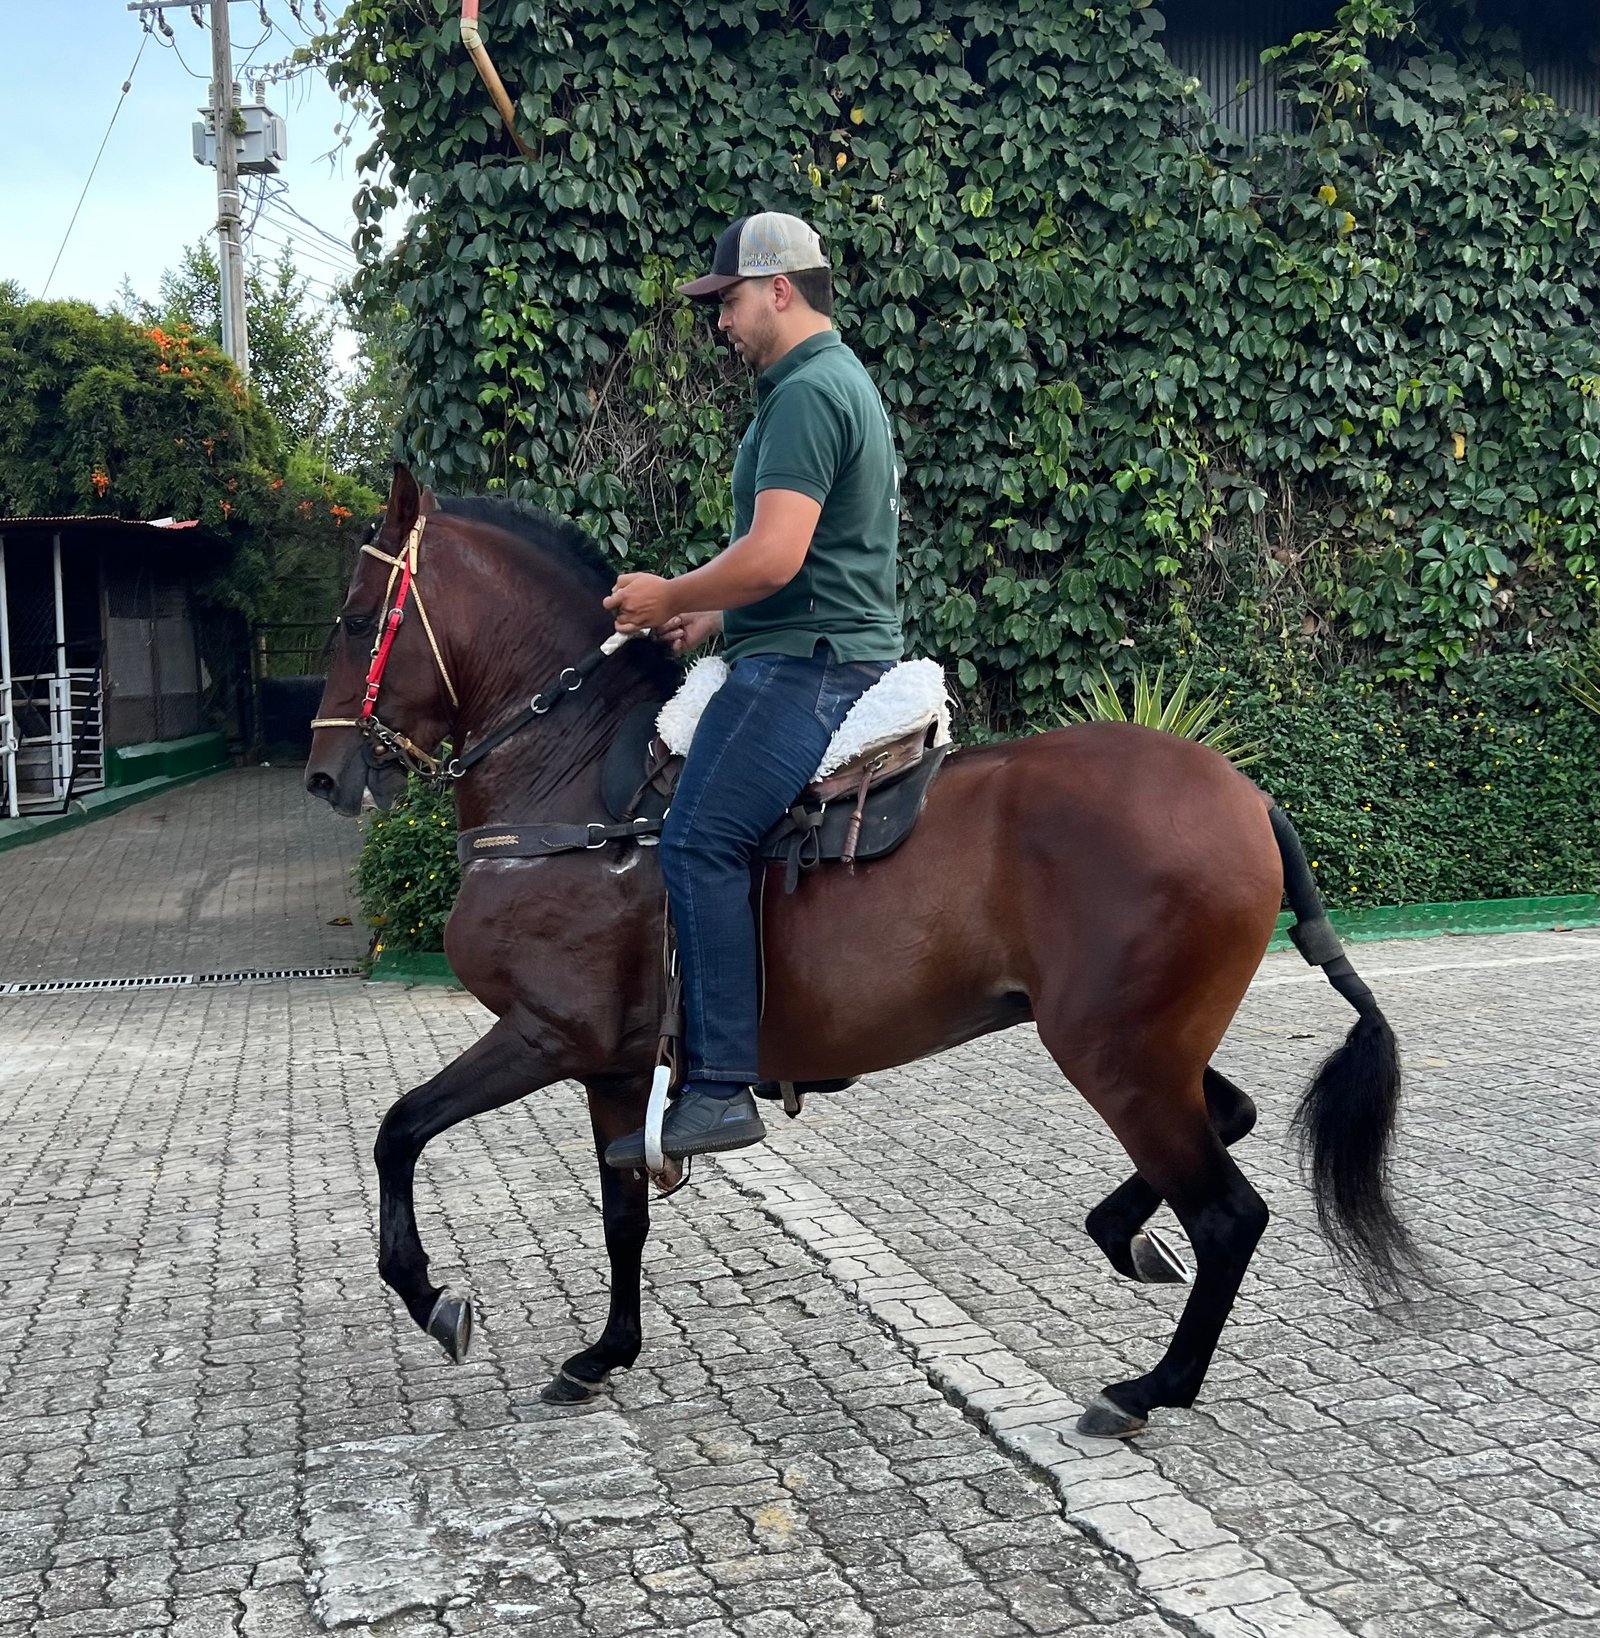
[[1471, 916], [164, 759], [96, 805], [413, 967]]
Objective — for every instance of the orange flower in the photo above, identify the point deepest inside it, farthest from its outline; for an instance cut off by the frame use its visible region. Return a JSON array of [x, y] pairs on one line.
[[340, 512], [227, 510], [277, 483], [101, 481]]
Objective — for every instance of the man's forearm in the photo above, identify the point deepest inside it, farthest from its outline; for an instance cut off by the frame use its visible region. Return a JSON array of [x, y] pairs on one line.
[[743, 573]]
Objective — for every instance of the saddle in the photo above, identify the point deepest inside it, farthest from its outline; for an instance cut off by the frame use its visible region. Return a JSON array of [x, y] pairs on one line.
[[863, 810]]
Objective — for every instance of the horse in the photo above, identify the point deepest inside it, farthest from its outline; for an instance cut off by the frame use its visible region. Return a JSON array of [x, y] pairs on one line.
[[1113, 885]]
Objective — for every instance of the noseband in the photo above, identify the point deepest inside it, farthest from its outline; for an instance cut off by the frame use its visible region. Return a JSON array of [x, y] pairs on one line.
[[383, 742]]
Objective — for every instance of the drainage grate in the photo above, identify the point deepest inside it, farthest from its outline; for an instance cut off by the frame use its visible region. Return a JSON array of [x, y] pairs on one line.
[[175, 981]]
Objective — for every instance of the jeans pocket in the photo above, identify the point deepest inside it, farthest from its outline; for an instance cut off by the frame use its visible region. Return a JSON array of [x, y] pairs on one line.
[[843, 683]]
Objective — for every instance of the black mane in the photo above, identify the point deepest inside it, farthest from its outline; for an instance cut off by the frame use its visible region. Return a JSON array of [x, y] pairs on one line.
[[566, 541]]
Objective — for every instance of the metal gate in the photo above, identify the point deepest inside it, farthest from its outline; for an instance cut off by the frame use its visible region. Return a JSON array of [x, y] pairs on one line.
[[52, 709]]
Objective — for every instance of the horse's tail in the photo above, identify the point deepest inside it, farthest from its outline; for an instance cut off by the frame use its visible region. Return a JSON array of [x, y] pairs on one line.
[[1345, 1122]]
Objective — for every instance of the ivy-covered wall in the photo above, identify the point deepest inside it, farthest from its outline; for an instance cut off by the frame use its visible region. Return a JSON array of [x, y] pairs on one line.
[[1325, 413]]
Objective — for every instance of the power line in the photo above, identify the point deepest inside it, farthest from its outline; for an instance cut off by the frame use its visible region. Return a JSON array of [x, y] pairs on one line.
[[169, 42], [294, 223], [322, 272], [342, 244], [127, 85], [311, 250], [302, 251]]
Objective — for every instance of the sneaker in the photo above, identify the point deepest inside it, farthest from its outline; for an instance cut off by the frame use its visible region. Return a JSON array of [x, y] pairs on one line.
[[697, 1124]]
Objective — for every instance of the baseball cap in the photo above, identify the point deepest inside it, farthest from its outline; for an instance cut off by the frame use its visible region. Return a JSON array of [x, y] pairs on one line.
[[756, 247]]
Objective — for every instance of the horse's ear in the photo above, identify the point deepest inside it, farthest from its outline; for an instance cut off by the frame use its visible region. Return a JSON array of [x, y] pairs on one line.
[[405, 500], [429, 501]]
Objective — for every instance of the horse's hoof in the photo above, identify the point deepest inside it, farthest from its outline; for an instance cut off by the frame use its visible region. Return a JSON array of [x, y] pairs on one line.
[[1156, 1261], [450, 1325], [562, 1389], [1103, 1420]]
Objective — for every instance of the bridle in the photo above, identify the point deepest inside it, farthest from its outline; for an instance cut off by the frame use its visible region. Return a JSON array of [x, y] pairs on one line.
[[382, 741]]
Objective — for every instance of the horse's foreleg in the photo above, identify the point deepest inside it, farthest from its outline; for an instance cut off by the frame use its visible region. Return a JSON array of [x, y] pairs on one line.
[[616, 1107], [498, 1070], [1115, 1223]]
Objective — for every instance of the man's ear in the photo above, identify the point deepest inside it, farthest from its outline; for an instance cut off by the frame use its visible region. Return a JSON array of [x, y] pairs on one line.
[[782, 293]]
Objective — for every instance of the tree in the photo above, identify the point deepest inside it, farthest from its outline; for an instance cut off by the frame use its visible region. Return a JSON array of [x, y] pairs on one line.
[[344, 417], [100, 413]]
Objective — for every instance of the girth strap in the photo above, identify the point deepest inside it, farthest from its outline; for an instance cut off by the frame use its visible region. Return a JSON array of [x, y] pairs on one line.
[[540, 841]]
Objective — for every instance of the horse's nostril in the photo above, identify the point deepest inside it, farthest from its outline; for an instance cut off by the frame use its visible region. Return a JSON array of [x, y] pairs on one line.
[[320, 784]]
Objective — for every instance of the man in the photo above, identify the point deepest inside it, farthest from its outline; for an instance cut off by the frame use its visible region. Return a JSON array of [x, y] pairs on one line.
[[805, 597]]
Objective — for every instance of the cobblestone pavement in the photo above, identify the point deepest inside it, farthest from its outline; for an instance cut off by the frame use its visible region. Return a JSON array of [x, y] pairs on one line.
[[213, 1420], [862, 1356], [239, 870]]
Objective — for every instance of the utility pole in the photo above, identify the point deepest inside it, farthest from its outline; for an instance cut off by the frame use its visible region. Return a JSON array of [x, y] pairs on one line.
[[230, 246]]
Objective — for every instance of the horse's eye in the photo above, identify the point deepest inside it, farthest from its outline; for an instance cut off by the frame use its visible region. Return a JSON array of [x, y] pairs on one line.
[[358, 625]]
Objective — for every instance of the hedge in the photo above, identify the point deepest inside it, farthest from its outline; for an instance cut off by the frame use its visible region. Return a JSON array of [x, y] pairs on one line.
[[1325, 410]]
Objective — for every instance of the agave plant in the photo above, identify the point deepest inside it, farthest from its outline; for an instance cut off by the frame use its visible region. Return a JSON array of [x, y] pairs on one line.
[[1173, 713], [1583, 683]]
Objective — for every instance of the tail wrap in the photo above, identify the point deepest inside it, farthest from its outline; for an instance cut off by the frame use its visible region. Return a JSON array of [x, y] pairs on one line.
[[1346, 1119]]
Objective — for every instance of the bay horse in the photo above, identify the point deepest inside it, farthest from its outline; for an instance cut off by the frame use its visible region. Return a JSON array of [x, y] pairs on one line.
[[1115, 885]]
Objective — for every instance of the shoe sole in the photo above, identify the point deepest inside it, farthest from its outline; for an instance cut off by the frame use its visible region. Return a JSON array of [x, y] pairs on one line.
[[711, 1148]]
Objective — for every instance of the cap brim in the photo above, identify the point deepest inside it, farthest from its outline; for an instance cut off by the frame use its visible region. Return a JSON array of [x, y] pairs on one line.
[[713, 284]]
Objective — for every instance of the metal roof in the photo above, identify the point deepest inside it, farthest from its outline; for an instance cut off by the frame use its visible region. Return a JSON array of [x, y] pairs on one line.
[[151, 531]]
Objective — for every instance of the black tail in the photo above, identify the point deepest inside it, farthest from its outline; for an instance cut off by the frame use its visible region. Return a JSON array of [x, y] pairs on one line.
[[1346, 1119]]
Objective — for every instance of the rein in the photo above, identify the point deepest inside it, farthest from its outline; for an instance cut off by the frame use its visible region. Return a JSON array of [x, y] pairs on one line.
[[383, 739]]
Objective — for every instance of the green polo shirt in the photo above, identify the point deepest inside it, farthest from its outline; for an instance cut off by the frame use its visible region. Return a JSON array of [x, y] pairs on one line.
[[821, 430]]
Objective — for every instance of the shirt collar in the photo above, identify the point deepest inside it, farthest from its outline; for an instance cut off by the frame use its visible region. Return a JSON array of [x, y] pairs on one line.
[[795, 357]]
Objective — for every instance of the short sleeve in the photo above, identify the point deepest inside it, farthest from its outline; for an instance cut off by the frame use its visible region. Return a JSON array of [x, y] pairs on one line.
[[803, 442]]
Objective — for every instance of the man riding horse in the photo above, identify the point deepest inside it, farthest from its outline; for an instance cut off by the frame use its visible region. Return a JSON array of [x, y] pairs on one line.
[[805, 598]]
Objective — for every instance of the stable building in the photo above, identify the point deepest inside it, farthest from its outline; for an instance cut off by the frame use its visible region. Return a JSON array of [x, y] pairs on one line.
[[104, 678]]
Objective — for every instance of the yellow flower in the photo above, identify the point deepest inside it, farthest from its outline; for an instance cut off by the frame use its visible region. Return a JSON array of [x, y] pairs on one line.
[[857, 115], [1327, 193], [839, 161]]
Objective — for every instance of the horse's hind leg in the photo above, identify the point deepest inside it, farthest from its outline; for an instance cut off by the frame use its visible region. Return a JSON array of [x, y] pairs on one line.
[[616, 1107], [1158, 1113], [1115, 1223], [498, 1070]]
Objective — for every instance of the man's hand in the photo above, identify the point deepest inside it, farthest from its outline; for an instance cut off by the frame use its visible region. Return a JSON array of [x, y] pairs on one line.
[[686, 631], [639, 602]]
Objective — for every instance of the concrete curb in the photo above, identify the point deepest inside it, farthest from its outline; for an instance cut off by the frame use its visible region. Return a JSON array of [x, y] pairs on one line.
[[96, 805]]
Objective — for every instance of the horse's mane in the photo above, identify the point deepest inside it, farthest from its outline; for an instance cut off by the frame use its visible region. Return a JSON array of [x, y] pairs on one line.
[[568, 543]]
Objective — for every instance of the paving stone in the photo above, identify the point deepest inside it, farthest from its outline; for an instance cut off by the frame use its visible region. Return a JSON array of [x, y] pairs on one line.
[[214, 1420]]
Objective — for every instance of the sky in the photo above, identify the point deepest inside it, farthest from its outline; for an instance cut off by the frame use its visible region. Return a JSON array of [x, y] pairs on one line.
[[61, 73]]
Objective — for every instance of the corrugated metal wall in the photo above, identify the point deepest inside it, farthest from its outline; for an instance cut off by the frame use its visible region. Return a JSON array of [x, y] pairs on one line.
[[1575, 84], [1219, 43]]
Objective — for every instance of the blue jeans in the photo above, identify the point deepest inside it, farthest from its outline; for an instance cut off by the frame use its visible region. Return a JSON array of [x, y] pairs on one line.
[[755, 749]]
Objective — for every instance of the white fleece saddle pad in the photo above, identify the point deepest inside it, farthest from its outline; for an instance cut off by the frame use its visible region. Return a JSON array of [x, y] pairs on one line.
[[909, 696]]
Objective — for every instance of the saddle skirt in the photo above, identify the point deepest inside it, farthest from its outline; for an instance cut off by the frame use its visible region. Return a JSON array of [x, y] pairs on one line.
[[907, 699], [870, 785]]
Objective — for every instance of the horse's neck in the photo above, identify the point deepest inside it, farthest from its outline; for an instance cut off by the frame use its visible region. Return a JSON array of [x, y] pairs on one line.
[[550, 770]]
